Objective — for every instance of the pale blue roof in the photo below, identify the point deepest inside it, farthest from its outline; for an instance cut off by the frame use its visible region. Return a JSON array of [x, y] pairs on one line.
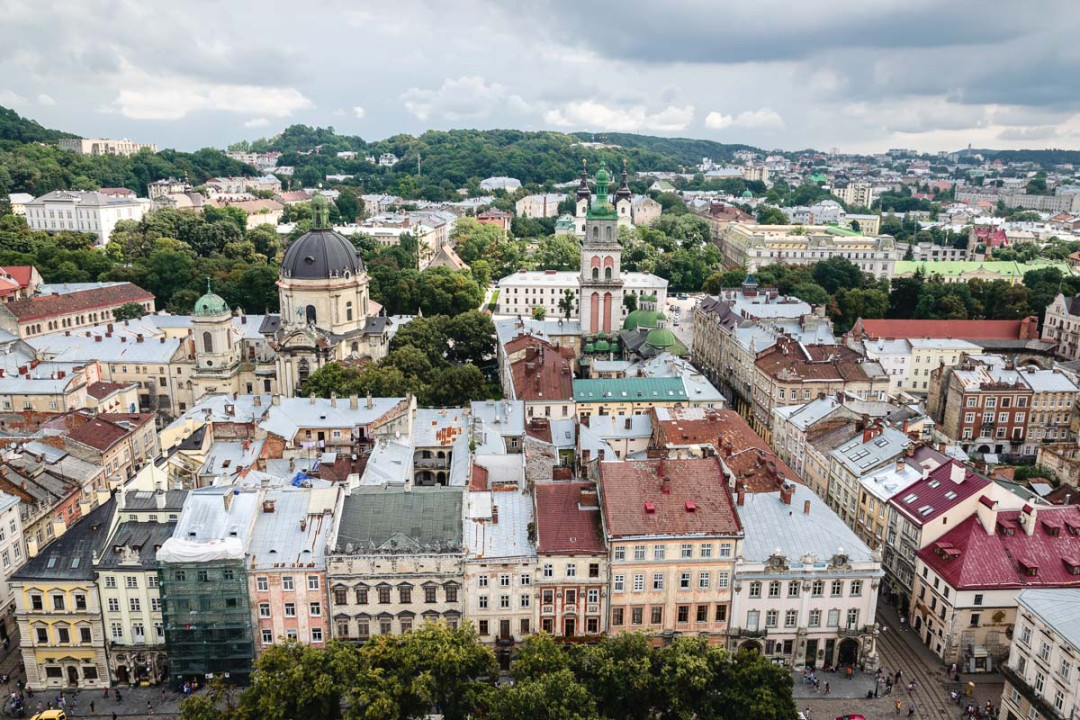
[[770, 524], [1058, 608]]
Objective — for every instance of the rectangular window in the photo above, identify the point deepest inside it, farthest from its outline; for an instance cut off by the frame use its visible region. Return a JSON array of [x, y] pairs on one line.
[[429, 595], [791, 618], [482, 580], [287, 582], [837, 588], [656, 615], [526, 600], [384, 595], [686, 550], [264, 610], [856, 588], [774, 589], [313, 582], [722, 580], [706, 550], [834, 618], [315, 609], [616, 616], [636, 615], [290, 609], [619, 583], [721, 613], [405, 595], [639, 583], [658, 581], [316, 633], [620, 552], [571, 570], [755, 589], [704, 580], [262, 584], [793, 588], [658, 552], [682, 613], [771, 618], [701, 613], [684, 581]]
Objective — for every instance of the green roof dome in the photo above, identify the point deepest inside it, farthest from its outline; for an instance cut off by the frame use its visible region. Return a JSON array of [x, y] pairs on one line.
[[590, 348], [747, 194], [603, 346], [643, 318], [661, 338], [211, 304]]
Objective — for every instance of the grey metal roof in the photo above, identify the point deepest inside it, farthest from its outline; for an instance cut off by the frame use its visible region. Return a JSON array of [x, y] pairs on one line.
[[417, 520], [861, 457], [507, 538], [439, 427], [1058, 608], [769, 524], [320, 254], [292, 414], [143, 537], [390, 463], [70, 556], [145, 500], [217, 513], [298, 529]]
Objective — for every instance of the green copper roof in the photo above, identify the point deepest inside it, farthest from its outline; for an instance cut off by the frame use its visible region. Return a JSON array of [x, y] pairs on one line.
[[660, 338], [643, 319], [601, 208], [210, 304], [629, 390]]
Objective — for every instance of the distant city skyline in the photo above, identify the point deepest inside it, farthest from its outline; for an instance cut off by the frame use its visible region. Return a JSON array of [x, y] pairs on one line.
[[859, 77]]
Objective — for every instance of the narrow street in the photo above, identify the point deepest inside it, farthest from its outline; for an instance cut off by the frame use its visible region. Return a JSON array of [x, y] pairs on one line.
[[900, 650]]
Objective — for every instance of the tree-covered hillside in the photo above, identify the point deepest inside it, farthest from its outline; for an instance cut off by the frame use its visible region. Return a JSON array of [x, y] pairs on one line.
[[27, 165], [24, 130], [449, 160]]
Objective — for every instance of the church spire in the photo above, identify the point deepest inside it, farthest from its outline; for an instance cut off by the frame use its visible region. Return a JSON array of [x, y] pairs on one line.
[[623, 193], [583, 191]]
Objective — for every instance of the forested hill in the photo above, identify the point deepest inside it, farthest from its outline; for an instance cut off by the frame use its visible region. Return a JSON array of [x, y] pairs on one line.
[[460, 158], [1045, 158], [27, 165], [24, 130]]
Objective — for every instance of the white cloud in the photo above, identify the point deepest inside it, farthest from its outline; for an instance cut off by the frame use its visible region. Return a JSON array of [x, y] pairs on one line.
[[45, 100], [256, 122], [359, 112], [175, 98], [465, 98], [763, 119], [9, 97], [592, 114]]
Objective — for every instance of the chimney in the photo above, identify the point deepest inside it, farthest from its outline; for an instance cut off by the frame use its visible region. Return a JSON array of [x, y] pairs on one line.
[[97, 338], [139, 338], [257, 400], [957, 472], [1029, 515], [275, 399], [494, 514], [303, 524], [354, 401], [786, 491], [806, 507], [987, 511], [740, 497], [369, 404], [108, 328], [333, 399], [311, 398], [121, 500], [900, 464]]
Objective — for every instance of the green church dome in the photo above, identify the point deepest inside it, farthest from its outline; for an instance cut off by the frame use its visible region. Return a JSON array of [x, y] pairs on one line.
[[661, 338], [643, 319], [211, 304]]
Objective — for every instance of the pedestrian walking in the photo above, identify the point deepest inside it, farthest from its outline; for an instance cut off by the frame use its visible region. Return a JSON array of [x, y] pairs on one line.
[[114, 715], [91, 707], [806, 712], [899, 703], [911, 711], [827, 689], [106, 691]]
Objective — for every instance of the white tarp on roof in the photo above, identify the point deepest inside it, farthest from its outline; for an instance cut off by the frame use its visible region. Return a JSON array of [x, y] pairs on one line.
[[179, 550]]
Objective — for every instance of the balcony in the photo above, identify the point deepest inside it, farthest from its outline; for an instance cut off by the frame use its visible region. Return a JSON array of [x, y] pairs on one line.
[[747, 633], [854, 632], [1046, 709]]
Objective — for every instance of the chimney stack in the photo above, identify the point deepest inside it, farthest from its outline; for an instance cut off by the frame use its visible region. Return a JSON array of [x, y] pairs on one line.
[[354, 401], [786, 491], [740, 497], [494, 514], [806, 507]]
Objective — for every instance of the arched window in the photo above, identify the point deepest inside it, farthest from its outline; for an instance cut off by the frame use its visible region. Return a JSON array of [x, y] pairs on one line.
[[607, 273], [302, 369], [596, 273], [348, 311], [207, 342], [310, 312], [607, 233], [596, 233]]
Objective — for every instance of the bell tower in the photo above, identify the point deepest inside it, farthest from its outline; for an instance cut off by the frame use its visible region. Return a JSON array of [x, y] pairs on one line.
[[600, 302], [217, 354]]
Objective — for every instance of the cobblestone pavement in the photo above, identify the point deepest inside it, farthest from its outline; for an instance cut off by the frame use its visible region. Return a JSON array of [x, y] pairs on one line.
[[899, 651]]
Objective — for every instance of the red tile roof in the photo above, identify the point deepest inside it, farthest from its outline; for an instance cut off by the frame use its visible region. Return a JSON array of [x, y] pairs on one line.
[[967, 557], [45, 306], [95, 432], [101, 389], [956, 329], [650, 497], [568, 519], [20, 273], [937, 493], [543, 375], [742, 450], [812, 362]]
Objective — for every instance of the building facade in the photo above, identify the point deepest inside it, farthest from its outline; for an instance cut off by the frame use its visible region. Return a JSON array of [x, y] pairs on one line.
[[1040, 677], [83, 211]]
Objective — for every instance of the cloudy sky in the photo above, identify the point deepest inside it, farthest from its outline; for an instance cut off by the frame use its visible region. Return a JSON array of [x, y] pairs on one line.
[[856, 75]]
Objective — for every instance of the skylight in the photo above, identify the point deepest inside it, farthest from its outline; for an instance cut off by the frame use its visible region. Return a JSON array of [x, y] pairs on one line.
[[926, 510], [911, 498], [934, 483]]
